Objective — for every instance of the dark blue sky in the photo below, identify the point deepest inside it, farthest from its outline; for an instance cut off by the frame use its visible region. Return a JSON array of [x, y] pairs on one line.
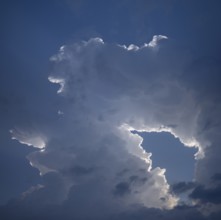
[[32, 31]]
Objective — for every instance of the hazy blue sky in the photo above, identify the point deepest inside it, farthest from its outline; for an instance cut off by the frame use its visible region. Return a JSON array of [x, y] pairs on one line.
[[66, 112], [169, 153]]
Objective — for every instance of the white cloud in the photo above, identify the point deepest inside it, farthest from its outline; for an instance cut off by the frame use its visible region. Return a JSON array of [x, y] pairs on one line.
[[29, 138], [61, 82], [107, 91], [156, 40]]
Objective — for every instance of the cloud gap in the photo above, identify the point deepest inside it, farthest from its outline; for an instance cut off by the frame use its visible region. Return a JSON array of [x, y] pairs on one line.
[[168, 152]]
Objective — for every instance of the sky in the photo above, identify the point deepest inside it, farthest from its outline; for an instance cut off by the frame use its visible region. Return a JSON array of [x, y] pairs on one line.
[[110, 109], [169, 153]]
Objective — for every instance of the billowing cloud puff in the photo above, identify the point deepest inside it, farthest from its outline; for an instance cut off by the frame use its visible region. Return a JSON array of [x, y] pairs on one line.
[[93, 166]]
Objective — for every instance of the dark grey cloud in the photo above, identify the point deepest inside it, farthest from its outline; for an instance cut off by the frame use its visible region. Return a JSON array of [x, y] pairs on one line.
[[122, 189], [136, 212], [207, 195], [216, 177], [202, 194], [182, 187]]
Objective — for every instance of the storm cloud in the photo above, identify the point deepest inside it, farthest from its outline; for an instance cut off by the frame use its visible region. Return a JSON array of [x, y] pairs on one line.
[[71, 144], [92, 165]]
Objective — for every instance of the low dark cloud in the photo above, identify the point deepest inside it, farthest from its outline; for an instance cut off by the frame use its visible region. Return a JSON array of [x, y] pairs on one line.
[[122, 189], [216, 177], [207, 195], [182, 187], [57, 212]]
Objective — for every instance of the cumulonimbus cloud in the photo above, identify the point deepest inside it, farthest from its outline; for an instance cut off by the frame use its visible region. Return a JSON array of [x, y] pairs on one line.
[[107, 91]]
